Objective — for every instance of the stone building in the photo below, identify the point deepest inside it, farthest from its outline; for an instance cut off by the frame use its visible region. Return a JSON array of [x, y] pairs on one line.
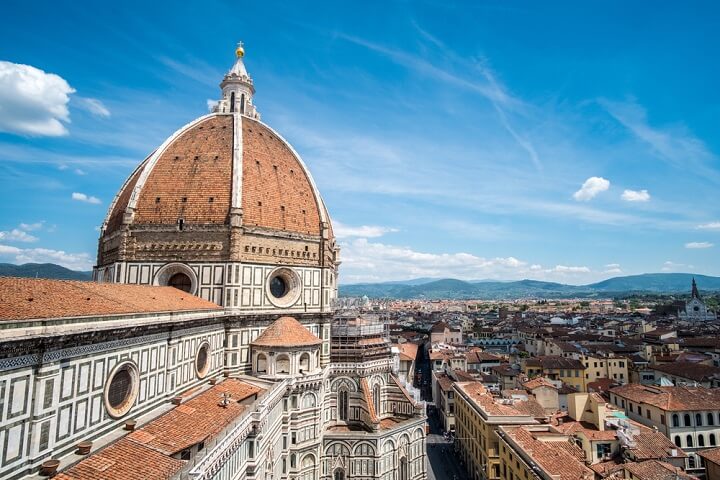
[[695, 309], [239, 371]]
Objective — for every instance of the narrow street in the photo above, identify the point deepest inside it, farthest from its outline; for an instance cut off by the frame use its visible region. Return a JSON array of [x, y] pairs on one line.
[[442, 462]]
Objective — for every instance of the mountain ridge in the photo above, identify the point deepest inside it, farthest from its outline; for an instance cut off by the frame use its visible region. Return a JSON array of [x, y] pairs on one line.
[[649, 283]]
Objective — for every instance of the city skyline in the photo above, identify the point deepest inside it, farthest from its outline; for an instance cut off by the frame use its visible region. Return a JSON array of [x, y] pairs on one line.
[[469, 141]]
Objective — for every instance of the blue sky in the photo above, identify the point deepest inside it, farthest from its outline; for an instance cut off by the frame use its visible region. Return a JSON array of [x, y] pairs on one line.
[[568, 141]]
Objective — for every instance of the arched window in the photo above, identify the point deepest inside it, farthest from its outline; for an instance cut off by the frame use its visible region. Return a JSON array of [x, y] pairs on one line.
[[712, 439], [691, 462], [339, 474], [686, 420], [677, 441], [282, 364], [403, 469], [710, 419], [676, 420], [376, 398], [261, 363], [305, 362], [689, 441], [701, 441], [242, 104], [232, 102], [343, 406], [698, 420]]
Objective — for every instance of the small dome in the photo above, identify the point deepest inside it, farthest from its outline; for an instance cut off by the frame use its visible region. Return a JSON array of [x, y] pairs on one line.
[[286, 332]]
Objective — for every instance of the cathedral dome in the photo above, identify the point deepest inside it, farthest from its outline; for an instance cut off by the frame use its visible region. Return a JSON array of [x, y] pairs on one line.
[[218, 165], [224, 188]]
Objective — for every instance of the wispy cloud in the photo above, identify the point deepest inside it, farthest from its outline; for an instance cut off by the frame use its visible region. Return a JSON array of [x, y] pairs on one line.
[[366, 231], [699, 245], [82, 197], [675, 145], [709, 226], [17, 235], [92, 105]]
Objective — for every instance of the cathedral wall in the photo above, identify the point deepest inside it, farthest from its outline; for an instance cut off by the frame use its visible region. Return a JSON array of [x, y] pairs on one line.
[[242, 287], [51, 400]]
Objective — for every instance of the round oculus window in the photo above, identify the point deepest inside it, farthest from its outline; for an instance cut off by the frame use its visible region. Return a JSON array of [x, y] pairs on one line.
[[122, 389], [181, 282], [202, 360], [278, 287], [283, 287]]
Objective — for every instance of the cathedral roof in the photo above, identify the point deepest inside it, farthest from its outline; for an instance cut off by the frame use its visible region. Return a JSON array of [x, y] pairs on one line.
[[286, 332], [37, 298], [217, 163]]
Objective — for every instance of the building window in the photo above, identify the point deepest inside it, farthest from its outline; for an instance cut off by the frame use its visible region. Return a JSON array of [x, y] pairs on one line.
[[686, 420], [689, 441], [710, 419], [691, 462], [639, 410], [712, 439], [676, 420], [376, 399], [122, 389], [261, 363], [343, 406], [202, 360], [701, 441], [181, 282], [677, 441], [305, 362], [282, 364], [698, 420], [339, 474]]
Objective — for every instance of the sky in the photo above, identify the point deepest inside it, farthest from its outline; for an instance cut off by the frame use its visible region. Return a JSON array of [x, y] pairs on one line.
[[562, 141]]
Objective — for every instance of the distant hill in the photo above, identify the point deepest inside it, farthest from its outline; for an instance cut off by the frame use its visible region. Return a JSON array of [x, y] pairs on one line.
[[42, 270], [486, 289]]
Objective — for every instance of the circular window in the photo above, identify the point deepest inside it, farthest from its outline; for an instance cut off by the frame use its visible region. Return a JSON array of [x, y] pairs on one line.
[[202, 360], [696, 308], [121, 389], [283, 287], [181, 282], [278, 287]]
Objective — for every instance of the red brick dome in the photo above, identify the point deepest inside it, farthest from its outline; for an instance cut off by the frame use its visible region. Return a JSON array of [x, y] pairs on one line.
[[219, 164]]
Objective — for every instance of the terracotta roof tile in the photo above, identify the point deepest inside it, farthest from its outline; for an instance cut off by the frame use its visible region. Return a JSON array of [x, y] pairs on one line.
[[124, 460], [286, 332], [33, 298], [367, 395], [711, 455], [656, 470], [671, 398]]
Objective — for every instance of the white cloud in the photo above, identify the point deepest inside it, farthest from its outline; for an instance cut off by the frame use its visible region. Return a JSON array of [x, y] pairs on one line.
[[17, 235], [612, 265], [30, 227], [80, 171], [85, 198], [709, 226], [73, 261], [33, 102], [590, 188], [672, 266], [612, 269], [699, 245], [365, 231], [569, 270], [93, 105], [635, 196]]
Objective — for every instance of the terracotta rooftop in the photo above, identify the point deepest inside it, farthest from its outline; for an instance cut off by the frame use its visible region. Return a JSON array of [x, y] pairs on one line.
[[286, 332], [34, 298], [671, 398], [538, 382], [197, 419], [652, 444], [123, 460], [656, 470], [146, 452], [693, 371], [555, 362], [560, 459], [711, 455], [480, 396], [408, 351]]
